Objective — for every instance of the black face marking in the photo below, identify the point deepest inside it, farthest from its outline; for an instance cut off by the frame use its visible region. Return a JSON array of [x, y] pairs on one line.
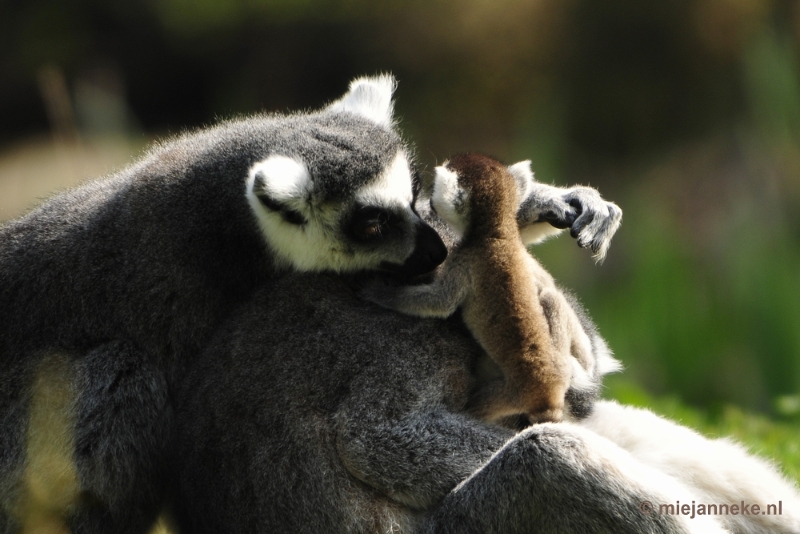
[[293, 217], [370, 224], [289, 215]]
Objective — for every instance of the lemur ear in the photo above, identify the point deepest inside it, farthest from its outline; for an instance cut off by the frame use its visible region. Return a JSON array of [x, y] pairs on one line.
[[282, 185], [449, 199], [523, 174], [370, 97]]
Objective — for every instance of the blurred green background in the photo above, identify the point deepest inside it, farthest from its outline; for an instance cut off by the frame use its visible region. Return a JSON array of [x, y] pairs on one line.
[[686, 113]]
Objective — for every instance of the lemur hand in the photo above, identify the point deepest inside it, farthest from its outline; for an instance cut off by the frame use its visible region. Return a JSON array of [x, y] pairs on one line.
[[438, 299], [591, 220]]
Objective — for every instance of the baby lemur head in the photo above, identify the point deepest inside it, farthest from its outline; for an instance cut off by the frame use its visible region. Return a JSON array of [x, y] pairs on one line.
[[473, 193]]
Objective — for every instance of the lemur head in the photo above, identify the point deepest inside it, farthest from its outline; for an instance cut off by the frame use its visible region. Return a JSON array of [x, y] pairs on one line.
[[473, 189], [337, 192]]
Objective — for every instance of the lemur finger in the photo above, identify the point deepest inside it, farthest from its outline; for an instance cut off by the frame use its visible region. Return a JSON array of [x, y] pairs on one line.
[[551, 209], [581, 223], [588, 204], [597, 235]]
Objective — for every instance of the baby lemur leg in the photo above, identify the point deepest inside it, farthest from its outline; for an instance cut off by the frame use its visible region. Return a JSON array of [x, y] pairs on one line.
[[545, 211], [574, 340], [568, 336]]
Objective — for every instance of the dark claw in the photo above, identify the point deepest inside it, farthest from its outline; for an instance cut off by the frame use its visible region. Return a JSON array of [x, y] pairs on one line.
[[560, 222], [580, 223]]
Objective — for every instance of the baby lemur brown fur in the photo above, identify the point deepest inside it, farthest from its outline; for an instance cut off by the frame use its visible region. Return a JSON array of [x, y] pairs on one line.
[[496, 283]]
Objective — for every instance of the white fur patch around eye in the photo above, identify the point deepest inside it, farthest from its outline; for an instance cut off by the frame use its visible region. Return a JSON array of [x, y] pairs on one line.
[[315, 245], [370, 97], [285, 179], [450, 200], [393, 187], [523, 174]]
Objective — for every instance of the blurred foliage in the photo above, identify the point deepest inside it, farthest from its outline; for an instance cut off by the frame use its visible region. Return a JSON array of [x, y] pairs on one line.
[[615, 77], [687, 113]]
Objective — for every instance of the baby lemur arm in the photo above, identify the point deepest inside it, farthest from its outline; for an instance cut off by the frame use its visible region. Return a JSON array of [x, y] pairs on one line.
[[591, 220], [546, 210], [439, 299]]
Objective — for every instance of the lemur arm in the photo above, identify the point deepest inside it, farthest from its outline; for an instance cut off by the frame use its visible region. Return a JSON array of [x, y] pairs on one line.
[[546, 210], [592, 220], [418, 458], [439, 299], [468, 476]]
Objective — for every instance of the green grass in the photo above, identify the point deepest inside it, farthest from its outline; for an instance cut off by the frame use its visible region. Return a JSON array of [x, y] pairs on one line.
[[777, 440]]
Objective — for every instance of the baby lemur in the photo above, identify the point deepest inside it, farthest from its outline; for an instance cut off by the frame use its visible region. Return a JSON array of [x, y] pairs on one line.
[[499, 287]]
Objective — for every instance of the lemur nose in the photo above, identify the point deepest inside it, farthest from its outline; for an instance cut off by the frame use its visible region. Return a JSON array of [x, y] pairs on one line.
[[429, 252]]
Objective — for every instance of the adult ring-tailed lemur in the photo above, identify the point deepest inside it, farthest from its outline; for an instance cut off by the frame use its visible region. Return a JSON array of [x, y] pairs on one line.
[[110, 291]]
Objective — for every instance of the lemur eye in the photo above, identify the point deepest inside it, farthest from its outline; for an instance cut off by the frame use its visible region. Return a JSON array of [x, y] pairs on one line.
[[293, 217], [370, 223], [372, 230]]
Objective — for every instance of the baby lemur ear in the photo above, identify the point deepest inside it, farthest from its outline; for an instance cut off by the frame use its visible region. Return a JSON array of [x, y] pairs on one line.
[[449, 199], [281, 185], [370, 97], [523, 174]]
